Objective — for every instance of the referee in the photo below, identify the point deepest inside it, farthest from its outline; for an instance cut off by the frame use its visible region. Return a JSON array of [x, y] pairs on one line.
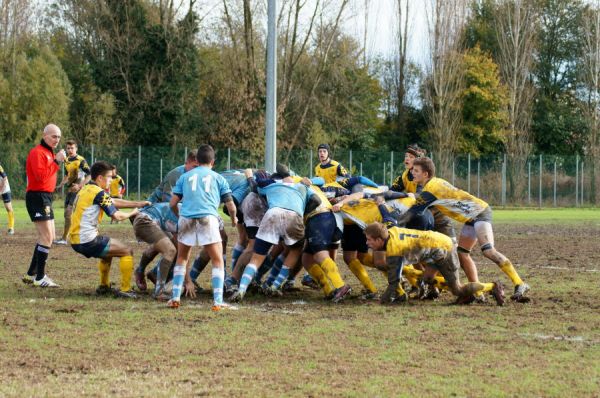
[[42, 166]]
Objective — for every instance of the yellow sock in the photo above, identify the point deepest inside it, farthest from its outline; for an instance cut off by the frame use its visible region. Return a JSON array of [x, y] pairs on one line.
[[317, 274], [126, 266], [332, 272], [478, 288], [104, 268], [368, 260], [11, 220], [361, 273], [440, 282], [507, 267], [400, 290], [411, 274]]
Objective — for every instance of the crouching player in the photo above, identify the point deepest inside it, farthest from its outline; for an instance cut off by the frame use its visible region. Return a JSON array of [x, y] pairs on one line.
[[395, 246], [90, 204], [201, 190]]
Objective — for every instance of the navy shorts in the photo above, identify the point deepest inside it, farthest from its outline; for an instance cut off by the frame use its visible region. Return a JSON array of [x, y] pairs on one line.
[[39, 205], [70, 198], [97, 248], [354, 239], [321, 233], [6, 197]]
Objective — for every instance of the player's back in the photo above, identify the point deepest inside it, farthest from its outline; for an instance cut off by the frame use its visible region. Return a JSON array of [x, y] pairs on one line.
[[453, 202], [417, 246], [238, 183], [201, 189], [286, 196]]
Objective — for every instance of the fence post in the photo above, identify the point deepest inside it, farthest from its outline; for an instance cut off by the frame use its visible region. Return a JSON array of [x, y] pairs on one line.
[[581, 201], [185, 154], [541, 175], [62, 189], [478, 176], [127, 176], [383, 182], [554, 182], [529, 183], [577, 180], [92, 157], [139, 171], [311, 163], [469, 172], [361, 170], [228, 158], [391, 167], [161, 169], [452, 171], [350, 160], [503, 187]]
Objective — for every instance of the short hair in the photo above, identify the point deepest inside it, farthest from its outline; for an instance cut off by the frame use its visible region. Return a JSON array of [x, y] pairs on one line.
[[100, 168], [191, 156], [416, 150], [426, 165], [377, 230], [71, 142], [113, 166], [206, 154]]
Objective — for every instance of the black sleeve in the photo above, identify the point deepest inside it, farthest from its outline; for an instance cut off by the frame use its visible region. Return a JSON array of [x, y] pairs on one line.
[[423, 202], [263, 182], [387, 218], [397, 185]]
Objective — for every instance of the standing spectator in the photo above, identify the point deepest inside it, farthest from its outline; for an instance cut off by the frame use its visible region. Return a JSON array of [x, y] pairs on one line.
[[6, 198], [328, 168], [42, 166], [117, 186]]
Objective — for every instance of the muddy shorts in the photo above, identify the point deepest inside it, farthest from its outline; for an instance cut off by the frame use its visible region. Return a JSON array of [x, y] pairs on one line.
[[322, 233], [198, 231], [147, 230], [448, 267], [283, 224], [442, 224], [97, 248], [254, 209], [485, 216]]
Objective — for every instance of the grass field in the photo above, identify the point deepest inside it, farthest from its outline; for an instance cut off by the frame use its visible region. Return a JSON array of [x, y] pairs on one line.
[[68, 342]]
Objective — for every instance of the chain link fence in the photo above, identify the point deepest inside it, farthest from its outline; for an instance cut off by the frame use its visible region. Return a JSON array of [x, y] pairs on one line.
[[539, 181]]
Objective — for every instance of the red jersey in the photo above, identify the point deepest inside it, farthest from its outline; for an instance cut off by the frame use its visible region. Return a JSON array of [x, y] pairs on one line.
[[41, 169]]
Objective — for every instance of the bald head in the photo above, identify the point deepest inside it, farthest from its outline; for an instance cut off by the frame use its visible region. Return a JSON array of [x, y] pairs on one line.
[[52, 135]]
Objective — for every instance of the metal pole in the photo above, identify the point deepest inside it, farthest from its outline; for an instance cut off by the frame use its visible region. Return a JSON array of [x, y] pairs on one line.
[[503, 183], [350, 161], [469, 173], [391, 167], [127, 176], [161, 169], [452, 171], [62, 189], [311, 163], [185, 154], [554, 183], [139, 171], [577, 181], [581, 201], [228, 158], [361, 171], [541, 175], [529, 183], [92, 157], [271, 115], [383, 182], [478, 176]]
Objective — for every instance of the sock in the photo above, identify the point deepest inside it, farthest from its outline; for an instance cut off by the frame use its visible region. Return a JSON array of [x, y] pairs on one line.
[[507, 267], [361, 273], [217, 285], [126, 268], [247, 277], [317, 274], [42, 257], [264, 267], [198, 267], [144, 261], [33, 264], [230, 281], [440, 282], [475, 287], [11, 220], [284, 272], [368, 260], [400, 290], [274, 271], [162, 271], [331, 270], [412, 274], [178, 277], [104, 269], [235, 254], [67, 226]]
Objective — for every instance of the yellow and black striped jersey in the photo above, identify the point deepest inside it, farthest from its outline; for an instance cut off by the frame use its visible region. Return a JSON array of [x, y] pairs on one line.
[[90, 204], [405, 183], [449, 200], [117, 186], [415, 246], [76, 168], [330, 171]]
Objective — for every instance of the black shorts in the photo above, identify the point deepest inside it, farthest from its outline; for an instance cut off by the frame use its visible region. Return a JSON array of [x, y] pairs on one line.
[[97, 248], [321, 233], [251, 232], [70, 198], [354, 239], [39, 205], [6, 197], [238, 213]]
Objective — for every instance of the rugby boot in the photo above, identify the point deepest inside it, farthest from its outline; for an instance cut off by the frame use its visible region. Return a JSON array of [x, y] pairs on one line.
[[519, 294]]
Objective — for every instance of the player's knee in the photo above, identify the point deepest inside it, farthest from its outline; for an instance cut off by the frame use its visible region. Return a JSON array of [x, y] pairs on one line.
[[170, 253], [487, 247], [462, 250]]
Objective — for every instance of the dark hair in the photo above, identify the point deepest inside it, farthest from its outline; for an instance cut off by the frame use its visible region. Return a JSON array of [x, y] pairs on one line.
[[113, 166], [71, 142], [192, 156], [100, 168], [426, 165], [206, 154], [416, 150]]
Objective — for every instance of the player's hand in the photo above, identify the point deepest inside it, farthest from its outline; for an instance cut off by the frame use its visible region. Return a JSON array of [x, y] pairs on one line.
[[336, 208], [134, 212], [146, 203], [248, 173], [190, 289], [234, 221], [379, 199], [60, 155], [410, 195], [306, 181], [75, 187]]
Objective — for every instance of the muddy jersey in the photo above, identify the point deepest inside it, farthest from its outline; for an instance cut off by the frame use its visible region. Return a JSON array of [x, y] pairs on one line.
[[323, 207], [414, 246], [330, 171], [90, 205], [449, 200], [238, 183], [405, 183], [364, 212], [76, 168], [162, 215], [287, 196]]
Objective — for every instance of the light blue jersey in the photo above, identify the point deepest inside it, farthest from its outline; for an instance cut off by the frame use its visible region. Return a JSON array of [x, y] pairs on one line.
[[163, 215], [287, 196], [201, 190], [238, 183]]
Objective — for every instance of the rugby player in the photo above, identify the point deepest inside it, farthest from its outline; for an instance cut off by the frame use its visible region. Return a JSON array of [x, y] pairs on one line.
[[327, 168], [6, 199], [77, 174]]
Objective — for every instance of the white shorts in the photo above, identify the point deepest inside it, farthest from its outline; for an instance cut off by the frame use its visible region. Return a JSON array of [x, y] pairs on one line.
[[254, 209], [283, 224], [198, 231]]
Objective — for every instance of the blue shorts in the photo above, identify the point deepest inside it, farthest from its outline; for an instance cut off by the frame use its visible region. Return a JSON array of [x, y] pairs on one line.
[[354, 239], [321, 233], [97, 248], [6, 197]]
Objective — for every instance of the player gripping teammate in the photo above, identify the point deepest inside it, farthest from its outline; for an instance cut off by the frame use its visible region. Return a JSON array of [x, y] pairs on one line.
[[6, 199], [76, 176], [90, 204], [201, 190]]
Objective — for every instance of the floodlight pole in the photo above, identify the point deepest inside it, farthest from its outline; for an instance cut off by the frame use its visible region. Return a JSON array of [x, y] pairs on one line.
[[271, 114]]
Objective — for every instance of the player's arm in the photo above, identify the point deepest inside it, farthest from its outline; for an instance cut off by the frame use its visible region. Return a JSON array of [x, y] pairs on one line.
[[341, 171], [85, 168], [130, 204], [386, 216], [349, 198], [313, 201], [231, 210], [424, 200], [398, 184], [3, 179], [177, 196], [106, 204]]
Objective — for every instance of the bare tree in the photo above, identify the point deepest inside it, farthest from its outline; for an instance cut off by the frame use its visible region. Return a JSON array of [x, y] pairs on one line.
[[15, 22], [591, 80], [446, 22], [516, 22]]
